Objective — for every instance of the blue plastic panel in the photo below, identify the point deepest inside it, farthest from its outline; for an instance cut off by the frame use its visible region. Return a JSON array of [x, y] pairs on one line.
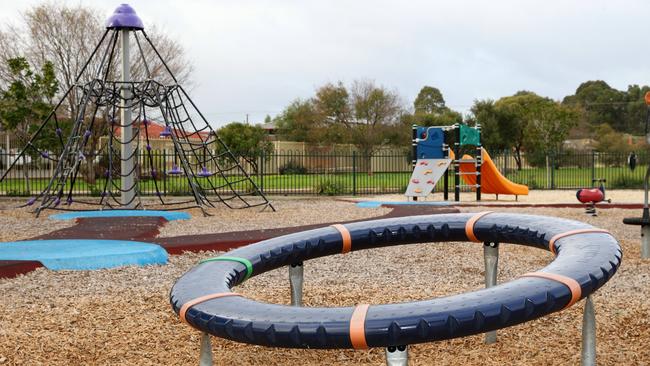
[[430, 143]]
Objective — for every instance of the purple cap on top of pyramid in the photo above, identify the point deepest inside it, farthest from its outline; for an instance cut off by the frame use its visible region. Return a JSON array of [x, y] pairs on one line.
[[124, 17]]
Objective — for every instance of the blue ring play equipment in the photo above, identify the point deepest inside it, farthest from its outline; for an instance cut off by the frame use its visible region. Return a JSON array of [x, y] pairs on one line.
[[586, 258]]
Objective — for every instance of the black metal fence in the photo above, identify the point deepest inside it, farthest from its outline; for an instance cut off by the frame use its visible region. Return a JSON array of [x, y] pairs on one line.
[[297, 173]]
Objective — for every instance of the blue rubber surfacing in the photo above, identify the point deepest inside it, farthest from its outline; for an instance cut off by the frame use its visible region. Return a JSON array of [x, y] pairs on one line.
[[84, 254], [168, 215]]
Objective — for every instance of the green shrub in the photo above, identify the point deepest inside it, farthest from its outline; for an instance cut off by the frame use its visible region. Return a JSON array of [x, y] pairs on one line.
[[292, 167], [330, 187], [179, 191], [532, 184], [536, 158], [95, 190], [18, 192], [626, 181]]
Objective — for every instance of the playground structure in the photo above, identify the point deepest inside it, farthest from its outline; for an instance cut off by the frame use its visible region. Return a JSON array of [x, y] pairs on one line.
[[433, 157], [124, 109], [203, 298], [592, 196]]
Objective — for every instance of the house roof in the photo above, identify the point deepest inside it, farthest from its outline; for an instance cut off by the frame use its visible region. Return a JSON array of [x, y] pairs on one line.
[[155, 128]]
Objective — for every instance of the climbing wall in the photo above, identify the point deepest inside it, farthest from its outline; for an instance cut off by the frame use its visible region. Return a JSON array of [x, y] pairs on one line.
[[426, 174]]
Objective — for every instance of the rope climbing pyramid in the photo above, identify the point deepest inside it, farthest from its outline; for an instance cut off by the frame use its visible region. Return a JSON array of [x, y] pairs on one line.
[[126, 116]]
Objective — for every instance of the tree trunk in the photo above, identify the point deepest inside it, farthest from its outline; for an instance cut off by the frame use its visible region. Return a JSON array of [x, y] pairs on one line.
[[548, 172], [90, 170], [518, 157], [365, 163], [28, 188]]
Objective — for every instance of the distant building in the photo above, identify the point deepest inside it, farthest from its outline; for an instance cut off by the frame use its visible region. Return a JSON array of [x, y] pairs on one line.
[[271, 131], [155, 130], [579, 144]]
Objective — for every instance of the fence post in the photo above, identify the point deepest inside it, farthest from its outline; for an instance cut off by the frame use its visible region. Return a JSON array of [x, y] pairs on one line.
[[553, 166], [593, 167], [164, 170], [261, 172], [354, 173]]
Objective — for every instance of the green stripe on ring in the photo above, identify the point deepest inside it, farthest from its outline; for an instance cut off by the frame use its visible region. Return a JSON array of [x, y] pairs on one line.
[[244, 261]]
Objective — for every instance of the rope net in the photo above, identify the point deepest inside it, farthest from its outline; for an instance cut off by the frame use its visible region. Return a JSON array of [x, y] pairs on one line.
[[82, 138]]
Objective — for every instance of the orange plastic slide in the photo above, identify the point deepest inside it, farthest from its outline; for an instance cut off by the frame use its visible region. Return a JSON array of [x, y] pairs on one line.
[[492, 180]]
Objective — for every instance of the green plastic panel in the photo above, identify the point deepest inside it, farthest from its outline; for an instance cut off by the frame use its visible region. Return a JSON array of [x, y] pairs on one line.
[[469, 136]]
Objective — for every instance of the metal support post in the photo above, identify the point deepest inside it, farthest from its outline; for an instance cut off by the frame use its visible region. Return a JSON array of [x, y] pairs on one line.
[[446, 177], [206, 350], [645, 241], [479, 164], [126, 151], [588, 334], [296, 271], [456, 164], [354, 173], [645, 229], [491, 257], [397, 356], [414, 147]]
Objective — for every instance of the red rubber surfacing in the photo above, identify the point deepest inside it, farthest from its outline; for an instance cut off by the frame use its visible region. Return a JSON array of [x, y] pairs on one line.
[[146, 229]]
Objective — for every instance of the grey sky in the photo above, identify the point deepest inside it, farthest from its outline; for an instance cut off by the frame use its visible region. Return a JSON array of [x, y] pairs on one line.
[[257, 56]]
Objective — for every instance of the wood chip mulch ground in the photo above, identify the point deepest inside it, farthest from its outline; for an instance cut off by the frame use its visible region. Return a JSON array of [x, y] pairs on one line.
[[122, 316]]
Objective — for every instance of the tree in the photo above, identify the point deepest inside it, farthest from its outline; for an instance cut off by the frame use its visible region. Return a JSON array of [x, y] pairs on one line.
[[513, 119], [525, 121], [429, 101], [364, 115], [447, 117], [299, 122], [615, 145], [333, 103], [28, 98], [66, 36], [377, 112], [609, 140], [26, 102], [246, 141], [636, 109], [429, 110], [548, 126], [333, 108], [493, 134], [602, 103]]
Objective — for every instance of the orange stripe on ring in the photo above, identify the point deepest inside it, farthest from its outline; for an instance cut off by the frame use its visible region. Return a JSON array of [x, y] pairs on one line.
[[345, 236], [358, 327], [573, 285], [469, 226], [201, 299], [551, 243]]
